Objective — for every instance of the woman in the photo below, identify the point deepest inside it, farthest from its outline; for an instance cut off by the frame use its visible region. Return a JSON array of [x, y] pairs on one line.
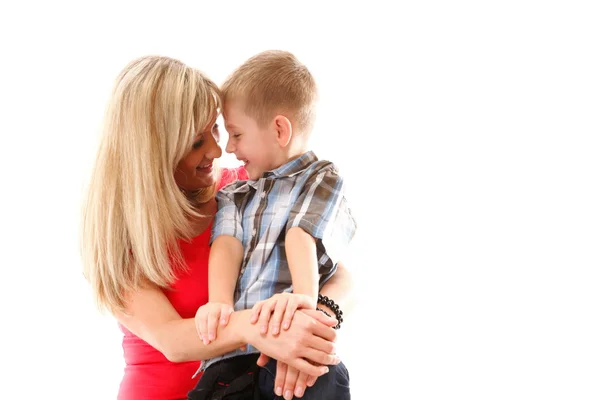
[[146, 228]]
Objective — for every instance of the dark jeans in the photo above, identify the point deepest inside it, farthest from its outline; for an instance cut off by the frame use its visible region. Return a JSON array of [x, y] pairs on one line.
[[239, 378]]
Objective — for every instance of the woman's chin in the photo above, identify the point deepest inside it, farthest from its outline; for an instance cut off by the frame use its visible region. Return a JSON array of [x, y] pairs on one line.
[[205, 179]]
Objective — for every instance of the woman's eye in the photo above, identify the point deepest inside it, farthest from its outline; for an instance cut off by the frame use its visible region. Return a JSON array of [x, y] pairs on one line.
[[237, 135], [197, 144]]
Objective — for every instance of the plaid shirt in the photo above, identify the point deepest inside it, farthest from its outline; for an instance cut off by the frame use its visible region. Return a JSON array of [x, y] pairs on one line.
[[306, 193]]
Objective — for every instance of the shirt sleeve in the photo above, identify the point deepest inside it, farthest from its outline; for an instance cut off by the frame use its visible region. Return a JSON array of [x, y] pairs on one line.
[[322, 211], [228, 220]]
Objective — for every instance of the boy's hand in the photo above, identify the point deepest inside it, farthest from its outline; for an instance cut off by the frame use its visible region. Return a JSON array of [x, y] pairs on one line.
[[283, 306], [207, 318]]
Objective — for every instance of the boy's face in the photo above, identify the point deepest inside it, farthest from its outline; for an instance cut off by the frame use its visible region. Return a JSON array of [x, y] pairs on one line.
[[257, 147]]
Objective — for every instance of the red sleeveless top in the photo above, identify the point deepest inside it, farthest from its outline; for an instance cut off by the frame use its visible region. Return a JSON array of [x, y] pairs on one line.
[[148, 374]]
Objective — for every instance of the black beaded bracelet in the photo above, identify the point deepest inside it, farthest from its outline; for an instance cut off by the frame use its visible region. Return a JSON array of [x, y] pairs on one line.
[[326, 301]]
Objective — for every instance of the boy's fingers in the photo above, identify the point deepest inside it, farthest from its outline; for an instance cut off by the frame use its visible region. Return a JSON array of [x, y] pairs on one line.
[[255, 312], [213, 319], [289, 314], [198, 322], [265, 315], [204, 328], [280, 307], [225, 316]]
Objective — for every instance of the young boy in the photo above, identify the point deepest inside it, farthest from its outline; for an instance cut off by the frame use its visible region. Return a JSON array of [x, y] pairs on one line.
[[277, 237]]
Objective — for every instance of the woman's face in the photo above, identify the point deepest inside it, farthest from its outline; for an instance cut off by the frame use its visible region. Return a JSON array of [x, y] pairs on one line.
[[195, 170]]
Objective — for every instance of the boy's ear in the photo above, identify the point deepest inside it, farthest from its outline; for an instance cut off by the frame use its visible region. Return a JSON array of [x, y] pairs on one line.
[[283, 126]]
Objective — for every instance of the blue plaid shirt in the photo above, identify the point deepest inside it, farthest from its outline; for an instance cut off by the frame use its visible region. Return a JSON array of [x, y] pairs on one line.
[[305, 192]]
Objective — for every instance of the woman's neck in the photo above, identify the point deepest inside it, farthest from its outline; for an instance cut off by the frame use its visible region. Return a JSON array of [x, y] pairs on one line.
[[207, 212]]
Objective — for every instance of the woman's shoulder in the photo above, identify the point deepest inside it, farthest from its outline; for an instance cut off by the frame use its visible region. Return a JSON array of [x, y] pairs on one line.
[[230, 175]]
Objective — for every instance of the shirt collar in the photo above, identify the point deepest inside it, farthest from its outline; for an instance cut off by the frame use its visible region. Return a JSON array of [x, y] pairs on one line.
[[293, 167]]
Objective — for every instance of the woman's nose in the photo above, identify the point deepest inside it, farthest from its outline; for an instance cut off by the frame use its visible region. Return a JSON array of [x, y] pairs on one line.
[[215, 150]]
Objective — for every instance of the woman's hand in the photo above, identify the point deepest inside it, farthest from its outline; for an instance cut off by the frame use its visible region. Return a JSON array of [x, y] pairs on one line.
[[309, 340], [290, 382]]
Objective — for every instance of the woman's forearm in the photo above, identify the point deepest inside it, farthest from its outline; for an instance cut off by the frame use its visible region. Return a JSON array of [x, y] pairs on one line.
[[182, 343], [339, 288], [150, 316]]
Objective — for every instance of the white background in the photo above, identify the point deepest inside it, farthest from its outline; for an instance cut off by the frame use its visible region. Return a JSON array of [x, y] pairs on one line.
[[468, 133]]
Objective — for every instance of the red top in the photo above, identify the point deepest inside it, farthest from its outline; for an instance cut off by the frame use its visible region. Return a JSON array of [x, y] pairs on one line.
[[148, 374]]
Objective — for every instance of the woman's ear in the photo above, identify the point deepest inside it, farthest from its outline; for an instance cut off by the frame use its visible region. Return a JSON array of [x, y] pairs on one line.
[[283, 126]]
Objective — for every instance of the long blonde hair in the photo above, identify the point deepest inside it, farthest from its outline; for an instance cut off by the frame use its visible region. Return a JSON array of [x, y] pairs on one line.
[[134, 212]]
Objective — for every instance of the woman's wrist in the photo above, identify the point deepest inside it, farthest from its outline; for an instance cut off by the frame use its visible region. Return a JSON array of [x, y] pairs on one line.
[[331, 309], [326, 309], [238, 325], [242, 326]]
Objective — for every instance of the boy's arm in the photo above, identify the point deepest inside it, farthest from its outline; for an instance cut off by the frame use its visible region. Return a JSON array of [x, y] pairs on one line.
[[319, 218], [322, 211], [224, 263], [301, 252], [226, 252]]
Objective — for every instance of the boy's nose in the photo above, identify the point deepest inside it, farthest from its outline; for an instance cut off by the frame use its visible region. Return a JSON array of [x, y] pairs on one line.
[[230, 147]]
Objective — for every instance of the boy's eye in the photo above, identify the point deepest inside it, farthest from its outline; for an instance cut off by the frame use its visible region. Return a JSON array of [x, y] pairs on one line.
[[237, 135]]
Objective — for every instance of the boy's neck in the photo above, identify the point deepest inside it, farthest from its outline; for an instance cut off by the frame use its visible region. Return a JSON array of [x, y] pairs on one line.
[[292, 154]]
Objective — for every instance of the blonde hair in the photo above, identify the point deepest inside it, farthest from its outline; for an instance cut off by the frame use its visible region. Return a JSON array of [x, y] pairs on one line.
[[135, 212], [274, 82]]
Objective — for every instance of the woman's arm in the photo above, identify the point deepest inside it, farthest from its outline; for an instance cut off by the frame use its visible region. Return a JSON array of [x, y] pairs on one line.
[[151, 317], [339, 289]]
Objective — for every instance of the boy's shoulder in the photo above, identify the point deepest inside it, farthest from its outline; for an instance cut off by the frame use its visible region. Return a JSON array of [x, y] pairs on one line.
[[322, 166]]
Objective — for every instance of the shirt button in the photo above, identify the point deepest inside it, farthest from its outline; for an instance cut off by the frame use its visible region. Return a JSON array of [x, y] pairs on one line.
[[263, 195], [254, 232]]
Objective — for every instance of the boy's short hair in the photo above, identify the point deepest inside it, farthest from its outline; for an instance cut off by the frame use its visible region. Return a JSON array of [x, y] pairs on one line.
[[274, 82]]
